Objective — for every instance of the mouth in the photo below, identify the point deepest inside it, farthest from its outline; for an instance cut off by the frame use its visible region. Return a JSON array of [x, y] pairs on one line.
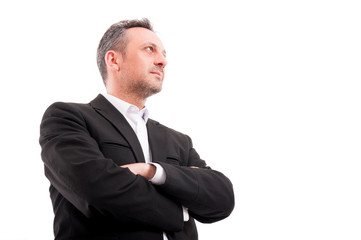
[[156, 73]]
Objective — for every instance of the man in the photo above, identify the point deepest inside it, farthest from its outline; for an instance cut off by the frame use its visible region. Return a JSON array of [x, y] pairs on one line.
[[114, 173]]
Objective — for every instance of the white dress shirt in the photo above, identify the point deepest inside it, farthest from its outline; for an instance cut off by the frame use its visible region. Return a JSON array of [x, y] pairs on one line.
[[137, 119]]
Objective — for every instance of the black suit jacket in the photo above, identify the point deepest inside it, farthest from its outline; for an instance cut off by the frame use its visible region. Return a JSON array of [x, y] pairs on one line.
[[83, 146]]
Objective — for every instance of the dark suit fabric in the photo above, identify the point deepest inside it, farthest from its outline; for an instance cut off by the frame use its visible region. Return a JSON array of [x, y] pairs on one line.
[[83, 146]]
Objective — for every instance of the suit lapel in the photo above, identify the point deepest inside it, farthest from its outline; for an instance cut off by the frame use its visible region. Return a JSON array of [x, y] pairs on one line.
[[109, 112], [157, 137]]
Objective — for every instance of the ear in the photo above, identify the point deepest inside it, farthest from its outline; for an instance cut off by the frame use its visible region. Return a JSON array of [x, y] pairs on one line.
[[113, 60]]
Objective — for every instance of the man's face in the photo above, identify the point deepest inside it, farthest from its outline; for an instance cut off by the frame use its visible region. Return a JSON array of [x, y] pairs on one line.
[[144, 62]]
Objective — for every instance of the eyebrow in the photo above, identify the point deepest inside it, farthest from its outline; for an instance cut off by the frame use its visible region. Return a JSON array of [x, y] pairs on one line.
[[156, 46]]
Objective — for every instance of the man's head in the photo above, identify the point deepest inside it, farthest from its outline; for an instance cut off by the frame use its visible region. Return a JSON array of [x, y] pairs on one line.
[[132, 56]]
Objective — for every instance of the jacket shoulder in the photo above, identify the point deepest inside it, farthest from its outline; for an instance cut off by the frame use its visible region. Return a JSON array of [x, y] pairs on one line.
[[67, 106], [63, 109]]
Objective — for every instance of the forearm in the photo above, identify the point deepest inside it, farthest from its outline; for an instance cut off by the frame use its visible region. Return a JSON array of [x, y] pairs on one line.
[[116, 193], [154, 173], [206, 193], [143, 169]]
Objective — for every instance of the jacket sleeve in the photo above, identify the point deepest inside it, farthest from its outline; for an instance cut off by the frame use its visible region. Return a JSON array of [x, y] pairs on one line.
[[208, 194], [95, 185]]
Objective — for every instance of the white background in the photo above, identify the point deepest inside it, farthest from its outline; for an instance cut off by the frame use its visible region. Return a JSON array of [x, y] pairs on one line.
[[269, 91]]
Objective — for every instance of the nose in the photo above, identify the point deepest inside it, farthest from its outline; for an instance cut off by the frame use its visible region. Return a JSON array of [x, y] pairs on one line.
[[160, 61]]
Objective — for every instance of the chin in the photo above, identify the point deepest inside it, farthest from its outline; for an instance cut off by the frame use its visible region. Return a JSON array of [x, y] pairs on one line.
[[156, 87], [156, 90], [150, 91]]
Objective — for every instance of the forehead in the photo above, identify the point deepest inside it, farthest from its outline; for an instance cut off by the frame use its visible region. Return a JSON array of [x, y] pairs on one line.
[[138, 36]]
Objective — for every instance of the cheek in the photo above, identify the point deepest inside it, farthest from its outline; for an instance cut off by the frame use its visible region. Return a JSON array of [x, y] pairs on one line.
[[140, 65]]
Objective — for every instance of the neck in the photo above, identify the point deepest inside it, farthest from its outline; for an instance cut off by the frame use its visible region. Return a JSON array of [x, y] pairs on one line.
[[134, 100]]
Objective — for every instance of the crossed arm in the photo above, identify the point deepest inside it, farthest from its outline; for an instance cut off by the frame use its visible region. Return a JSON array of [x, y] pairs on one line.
[[95, 185], [144, 169], [207, 194]]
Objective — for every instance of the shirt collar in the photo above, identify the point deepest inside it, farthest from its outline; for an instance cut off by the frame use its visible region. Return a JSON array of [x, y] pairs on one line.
[[125, 108]]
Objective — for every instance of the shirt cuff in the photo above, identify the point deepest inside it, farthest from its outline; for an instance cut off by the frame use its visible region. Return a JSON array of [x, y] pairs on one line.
[[185, 214], [159, 176]]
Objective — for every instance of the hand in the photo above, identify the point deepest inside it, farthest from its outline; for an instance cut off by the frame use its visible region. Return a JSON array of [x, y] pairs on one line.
[[144, 169]]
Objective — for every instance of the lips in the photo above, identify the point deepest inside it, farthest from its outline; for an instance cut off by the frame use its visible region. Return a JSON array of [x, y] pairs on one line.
[[156, 73]]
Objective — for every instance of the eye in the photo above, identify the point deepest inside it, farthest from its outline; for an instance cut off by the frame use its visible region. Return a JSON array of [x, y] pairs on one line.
[[149, 48]]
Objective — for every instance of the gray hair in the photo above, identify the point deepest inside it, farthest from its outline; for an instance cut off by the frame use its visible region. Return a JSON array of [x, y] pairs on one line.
[[115, 39]]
